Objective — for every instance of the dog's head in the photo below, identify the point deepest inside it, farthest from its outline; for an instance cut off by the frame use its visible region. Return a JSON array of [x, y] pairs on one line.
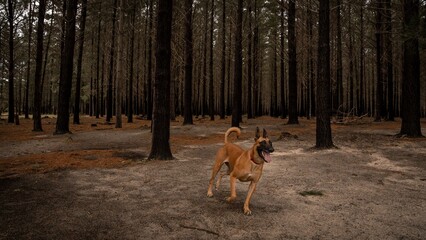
[[263, 145]]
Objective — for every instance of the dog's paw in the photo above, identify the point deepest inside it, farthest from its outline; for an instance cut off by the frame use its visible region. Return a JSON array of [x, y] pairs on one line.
[[230, 199], [247, 212], [209, 194]]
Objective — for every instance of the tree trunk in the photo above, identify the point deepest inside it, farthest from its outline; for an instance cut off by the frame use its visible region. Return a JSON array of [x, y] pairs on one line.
[[11, 18], [379, 56], [211, 86], [160, 148], [99, 101], [65, 83], [361, 105], [111, 64], [130, 89], [120, 78], [149, 77], [39, 64], [389, 60], [27, 86], [238, 69], [204, 80], [188, 64], [338, 94], [410, 99], [249, 64], [256, 64], [223, 64], [323, 128], [292, 65], [79, 64], [282, 54]]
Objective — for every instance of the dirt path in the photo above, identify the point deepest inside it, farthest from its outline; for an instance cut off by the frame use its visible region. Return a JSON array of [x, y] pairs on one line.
[[372, 187]]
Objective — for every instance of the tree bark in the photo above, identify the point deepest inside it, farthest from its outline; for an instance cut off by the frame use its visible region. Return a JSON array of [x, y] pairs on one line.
[[188, 64], [160, 148], [11, 18], [65, 83], [37, 126], [79, 63], [249, 63], [379, 56], [282, 54], [111, 64], [410, 99], [237, 94], [292, 65], [149, 77], [211, 86], [130, 87], [27, 86], [223, 64], [323, 128]]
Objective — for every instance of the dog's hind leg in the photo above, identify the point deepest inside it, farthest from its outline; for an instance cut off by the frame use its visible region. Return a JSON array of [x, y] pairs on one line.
[[221, 176], [216, 168]]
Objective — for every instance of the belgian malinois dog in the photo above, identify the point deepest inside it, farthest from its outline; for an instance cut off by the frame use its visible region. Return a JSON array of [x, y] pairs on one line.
[[246, 166]]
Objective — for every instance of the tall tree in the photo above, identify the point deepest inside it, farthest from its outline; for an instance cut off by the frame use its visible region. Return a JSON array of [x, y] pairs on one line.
[[120, 78], [188, 64], [30, 34], [238, 69], [11, 21], [361, 102], [223, 62], [211, 86], [39, 63], [379, 57], [249, 62], [282, 54], [149, 70], [323, 108], [65, 82], [389, 60], [410, 99], [111, 64], [131, 61], [160, 148], [79, 64], [338, 95], [292, 64]]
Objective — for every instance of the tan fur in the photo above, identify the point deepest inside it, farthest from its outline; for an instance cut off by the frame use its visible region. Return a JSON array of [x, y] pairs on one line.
[[246, 166]]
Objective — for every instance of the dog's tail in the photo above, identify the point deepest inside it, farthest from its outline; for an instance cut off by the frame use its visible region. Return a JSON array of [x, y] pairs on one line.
[[232, 129]]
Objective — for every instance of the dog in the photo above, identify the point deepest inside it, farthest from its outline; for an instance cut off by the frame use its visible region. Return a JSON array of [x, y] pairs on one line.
[[244, 165]]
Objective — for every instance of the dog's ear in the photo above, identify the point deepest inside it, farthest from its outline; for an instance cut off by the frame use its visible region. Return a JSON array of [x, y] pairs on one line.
[[257, 134], [265, 134]]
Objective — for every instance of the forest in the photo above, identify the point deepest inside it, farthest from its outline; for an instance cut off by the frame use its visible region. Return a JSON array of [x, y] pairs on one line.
[[96, 94], [109, 55]]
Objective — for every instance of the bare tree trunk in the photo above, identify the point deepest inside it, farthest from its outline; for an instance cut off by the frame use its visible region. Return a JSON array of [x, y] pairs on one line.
[[111, 64], [410, 99], [39, 64], [323, 128], [211, 86], [188, 63], [361, 105], [223, 64], [249, 63], [237, 95], [130, 89], [256, 64], [65, 83], [379, 56], [282, 54], [79, 64], [11, 18], [160, 148], [389, 60], [292, 68], [27, 86], [119, 79], [149, 77]]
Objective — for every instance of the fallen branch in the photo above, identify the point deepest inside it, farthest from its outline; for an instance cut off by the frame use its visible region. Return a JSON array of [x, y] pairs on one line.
[[200, 229]]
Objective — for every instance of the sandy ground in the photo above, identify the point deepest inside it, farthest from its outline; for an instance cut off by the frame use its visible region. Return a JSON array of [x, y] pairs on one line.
[[97, 184]]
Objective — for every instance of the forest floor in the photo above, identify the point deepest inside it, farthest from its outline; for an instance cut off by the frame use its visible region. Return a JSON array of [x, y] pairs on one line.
[[97, 184]]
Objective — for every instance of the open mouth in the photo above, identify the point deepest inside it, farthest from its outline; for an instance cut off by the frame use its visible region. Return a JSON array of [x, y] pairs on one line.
[[265, 155]]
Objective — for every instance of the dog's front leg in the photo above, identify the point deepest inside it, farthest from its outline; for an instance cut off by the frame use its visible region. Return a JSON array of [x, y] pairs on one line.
[[252, 187], [233, 196]]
